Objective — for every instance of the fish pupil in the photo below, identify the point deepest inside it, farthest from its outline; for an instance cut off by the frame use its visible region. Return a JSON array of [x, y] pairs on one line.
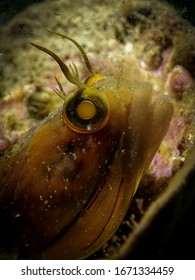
[[86, 110]]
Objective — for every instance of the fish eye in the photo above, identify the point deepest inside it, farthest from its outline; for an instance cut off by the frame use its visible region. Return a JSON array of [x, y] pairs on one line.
[[86, 111]]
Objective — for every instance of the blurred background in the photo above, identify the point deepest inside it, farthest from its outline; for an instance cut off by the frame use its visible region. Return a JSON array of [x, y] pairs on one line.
[[8, 8]]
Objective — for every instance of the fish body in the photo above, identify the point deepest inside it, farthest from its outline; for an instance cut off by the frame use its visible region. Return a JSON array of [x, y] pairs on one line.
[[68, 183]]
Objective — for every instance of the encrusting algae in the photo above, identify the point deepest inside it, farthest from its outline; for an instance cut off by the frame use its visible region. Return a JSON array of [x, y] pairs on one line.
[[67, 184]]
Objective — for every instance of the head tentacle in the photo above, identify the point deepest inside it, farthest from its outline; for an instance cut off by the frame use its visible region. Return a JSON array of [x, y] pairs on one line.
[[87, 62], [72, 79]]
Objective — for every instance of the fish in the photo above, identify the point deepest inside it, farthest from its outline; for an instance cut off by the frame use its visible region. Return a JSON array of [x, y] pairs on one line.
[[67, 184]]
